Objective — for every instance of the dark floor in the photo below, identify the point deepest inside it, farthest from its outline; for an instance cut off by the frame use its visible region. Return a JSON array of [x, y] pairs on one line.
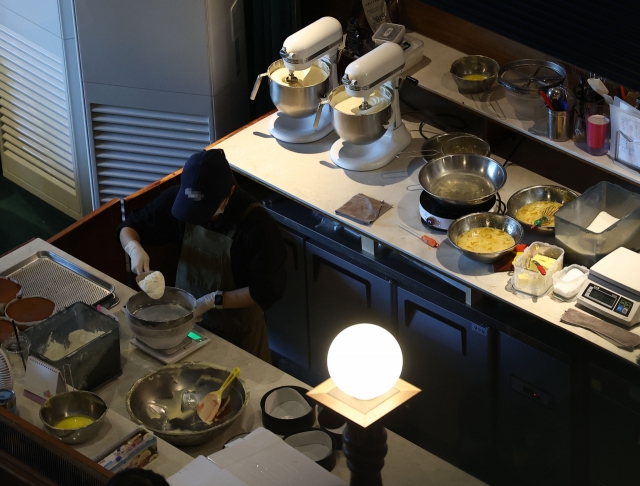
[[24, 216]]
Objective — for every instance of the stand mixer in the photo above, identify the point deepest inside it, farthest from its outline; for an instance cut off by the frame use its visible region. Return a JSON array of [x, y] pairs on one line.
[[366, 111], [298, 81]]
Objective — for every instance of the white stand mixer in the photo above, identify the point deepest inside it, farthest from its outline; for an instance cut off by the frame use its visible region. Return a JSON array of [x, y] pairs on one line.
[[294, 121], [381, 66]]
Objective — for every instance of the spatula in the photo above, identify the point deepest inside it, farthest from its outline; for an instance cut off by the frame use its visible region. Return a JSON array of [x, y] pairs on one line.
[[208, 407]]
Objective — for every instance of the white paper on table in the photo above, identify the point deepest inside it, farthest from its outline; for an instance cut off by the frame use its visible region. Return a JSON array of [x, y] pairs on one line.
[[625, 119], [203, 472], [264, 459]]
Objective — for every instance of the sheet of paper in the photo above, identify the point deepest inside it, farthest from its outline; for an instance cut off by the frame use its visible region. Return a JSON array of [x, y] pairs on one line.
[[202, 472], [626, 120]]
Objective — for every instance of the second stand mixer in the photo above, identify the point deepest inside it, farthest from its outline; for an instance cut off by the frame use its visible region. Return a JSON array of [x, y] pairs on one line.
[[366, 111]]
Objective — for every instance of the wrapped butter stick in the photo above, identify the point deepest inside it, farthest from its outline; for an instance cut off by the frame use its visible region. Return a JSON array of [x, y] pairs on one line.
[[152, 283]]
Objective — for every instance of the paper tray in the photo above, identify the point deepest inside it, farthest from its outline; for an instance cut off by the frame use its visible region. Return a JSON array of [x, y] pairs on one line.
[[45, 274]]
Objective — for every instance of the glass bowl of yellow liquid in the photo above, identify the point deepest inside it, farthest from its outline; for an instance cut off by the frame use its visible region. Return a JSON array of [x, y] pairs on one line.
[[73, 416], [474, 74]]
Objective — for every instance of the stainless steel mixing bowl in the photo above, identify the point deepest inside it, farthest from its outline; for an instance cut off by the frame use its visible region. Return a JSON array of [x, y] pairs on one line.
[[471, 179], [70, 404], [153, 399], [298, 101], [474, 65], [163, 334], [360, 129], [489, 220], [539, 193]]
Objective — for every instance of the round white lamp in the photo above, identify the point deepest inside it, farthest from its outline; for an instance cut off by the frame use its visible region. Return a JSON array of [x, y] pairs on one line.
[[365, 361]]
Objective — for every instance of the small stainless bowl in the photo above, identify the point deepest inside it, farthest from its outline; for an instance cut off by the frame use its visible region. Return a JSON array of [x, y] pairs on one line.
[[69, 404], [490, 220], [539, 193], [474, 65]]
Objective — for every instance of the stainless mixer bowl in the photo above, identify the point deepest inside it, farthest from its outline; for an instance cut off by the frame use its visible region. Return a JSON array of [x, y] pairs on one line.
[[360, 129], [298, 101], [149, 401], [164, 334]]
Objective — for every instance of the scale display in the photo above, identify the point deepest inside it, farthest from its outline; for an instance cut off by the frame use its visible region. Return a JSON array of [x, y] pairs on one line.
[[609, 303]]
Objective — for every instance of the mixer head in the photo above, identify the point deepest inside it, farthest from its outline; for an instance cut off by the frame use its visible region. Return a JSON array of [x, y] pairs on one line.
[[300, 49], [365, 74]]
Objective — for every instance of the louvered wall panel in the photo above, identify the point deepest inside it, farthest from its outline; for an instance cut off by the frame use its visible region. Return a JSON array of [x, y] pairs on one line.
[[34, 110], [136, 147]]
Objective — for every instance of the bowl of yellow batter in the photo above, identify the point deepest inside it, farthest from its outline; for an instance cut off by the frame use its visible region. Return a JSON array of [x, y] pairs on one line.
[[74, 416], [485, 237], [528, 205]]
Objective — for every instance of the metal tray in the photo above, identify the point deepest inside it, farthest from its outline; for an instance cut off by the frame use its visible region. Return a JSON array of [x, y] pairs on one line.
[[45, 274]]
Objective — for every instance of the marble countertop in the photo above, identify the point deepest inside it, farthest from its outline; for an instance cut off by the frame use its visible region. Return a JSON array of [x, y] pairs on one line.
[[405, 464], [433, 75], [306, 174]]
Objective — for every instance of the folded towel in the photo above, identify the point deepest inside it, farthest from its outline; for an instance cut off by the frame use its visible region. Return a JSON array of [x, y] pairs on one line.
[[616, 335], [363, 209]]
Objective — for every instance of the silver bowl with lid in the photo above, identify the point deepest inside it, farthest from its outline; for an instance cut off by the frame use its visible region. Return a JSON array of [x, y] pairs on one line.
[[524, 79], [161, 323]]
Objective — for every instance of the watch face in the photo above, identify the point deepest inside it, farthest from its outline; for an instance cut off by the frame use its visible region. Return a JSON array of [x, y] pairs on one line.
[[218, 299]]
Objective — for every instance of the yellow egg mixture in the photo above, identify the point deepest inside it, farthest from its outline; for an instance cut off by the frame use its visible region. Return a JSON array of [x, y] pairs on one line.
[[474, 77], [485, 240], [533, 211], [74, 422]]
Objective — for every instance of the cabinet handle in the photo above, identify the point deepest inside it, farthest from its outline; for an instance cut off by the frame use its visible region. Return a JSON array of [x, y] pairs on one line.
[[294, 250], [316, 268]]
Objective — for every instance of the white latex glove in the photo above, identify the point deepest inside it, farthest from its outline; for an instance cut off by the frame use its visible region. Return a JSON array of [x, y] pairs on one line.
[[139, 257], [205, 303]]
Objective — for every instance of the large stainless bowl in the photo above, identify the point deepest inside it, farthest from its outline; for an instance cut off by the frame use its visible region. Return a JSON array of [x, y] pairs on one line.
[[462, 179], [539, 193], [489, 220], [167, 332], [360, 129], [69, 404], [153, 398], [474, 65], [298, 101]]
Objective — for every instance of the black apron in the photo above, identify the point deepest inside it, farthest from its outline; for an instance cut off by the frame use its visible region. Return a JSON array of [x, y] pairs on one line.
[[204, 267]]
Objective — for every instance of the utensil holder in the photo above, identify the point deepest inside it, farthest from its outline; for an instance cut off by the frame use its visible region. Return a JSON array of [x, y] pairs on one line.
[[559, 124]]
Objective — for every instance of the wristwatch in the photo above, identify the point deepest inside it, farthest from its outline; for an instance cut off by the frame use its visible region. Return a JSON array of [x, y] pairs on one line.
[[218, 299]]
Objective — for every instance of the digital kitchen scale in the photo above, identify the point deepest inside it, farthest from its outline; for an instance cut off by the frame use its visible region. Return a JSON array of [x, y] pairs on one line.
[[194, 340], [613, 287]]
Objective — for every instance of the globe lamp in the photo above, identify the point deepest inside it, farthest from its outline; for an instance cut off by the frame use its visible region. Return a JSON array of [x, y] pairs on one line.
[[365, 361]]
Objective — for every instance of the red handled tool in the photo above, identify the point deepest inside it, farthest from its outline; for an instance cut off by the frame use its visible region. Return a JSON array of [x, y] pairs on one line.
[[425, 239], [539, 267], [547, 100]]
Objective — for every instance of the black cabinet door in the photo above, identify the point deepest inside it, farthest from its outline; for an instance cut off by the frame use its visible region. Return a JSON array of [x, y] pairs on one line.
[[449, 358], [287, 319], [533, 414], [614, 430], [341, 294]]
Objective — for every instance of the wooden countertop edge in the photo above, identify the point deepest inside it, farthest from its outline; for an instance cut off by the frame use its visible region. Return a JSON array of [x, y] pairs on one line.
[[253, 122]]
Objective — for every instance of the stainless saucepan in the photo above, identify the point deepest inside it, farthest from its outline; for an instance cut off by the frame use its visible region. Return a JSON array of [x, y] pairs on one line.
[[462, 179]]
